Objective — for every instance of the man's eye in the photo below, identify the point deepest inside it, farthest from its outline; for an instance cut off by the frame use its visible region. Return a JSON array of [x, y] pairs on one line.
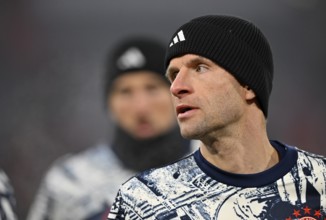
[[124, 92], [152, 88], [172, 76], [201, 68]]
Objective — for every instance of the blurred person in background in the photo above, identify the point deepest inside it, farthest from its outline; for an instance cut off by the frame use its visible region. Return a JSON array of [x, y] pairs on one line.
[[137, 97], [7, 198]]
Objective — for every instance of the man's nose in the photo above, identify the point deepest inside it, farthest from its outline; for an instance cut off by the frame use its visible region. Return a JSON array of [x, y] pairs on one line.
[[141, 102], [181, 84]]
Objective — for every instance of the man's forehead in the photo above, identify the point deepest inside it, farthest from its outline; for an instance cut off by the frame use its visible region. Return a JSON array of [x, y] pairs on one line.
[[139, 75], [187, 59]]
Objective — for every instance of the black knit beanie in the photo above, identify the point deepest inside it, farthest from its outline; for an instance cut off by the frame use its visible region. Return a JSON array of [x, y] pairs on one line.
[[233, 43], [135, 54]]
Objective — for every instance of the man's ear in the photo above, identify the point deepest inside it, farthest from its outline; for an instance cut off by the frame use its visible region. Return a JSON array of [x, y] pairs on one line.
[[249, 93]]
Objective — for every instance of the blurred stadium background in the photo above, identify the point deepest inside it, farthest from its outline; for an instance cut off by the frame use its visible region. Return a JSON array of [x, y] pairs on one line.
[[52, 59]]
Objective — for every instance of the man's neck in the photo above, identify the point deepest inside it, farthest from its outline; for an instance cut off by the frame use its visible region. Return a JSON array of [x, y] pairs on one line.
[[140, 155], [241, 159], [244, 150]]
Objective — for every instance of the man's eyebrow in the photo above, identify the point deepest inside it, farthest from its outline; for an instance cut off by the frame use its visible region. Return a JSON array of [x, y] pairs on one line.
[[193, 61], [197, 59]]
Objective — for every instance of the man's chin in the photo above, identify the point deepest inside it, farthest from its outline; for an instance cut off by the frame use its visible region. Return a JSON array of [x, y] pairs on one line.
[[188, 135]]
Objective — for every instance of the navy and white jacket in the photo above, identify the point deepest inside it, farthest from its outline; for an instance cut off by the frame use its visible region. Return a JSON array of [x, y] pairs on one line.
[[192, 188], [81, 186], [7, 198]]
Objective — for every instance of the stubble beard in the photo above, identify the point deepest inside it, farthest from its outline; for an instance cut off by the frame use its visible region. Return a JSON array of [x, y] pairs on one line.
[[193, 131], [205, 130]]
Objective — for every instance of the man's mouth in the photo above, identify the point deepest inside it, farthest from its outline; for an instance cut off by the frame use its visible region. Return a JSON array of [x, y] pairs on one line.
[[182, 109], [143, 122], [144, 128]]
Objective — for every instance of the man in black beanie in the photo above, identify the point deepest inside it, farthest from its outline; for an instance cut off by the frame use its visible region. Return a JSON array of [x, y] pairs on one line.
[[146, 135], [221, 73]]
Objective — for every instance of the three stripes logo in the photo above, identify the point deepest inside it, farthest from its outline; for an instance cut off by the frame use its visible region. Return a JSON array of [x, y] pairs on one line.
[[178, 38]]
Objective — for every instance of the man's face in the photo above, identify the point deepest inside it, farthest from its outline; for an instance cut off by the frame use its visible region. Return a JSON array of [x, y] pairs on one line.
[[206, 97], [140, 103]]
